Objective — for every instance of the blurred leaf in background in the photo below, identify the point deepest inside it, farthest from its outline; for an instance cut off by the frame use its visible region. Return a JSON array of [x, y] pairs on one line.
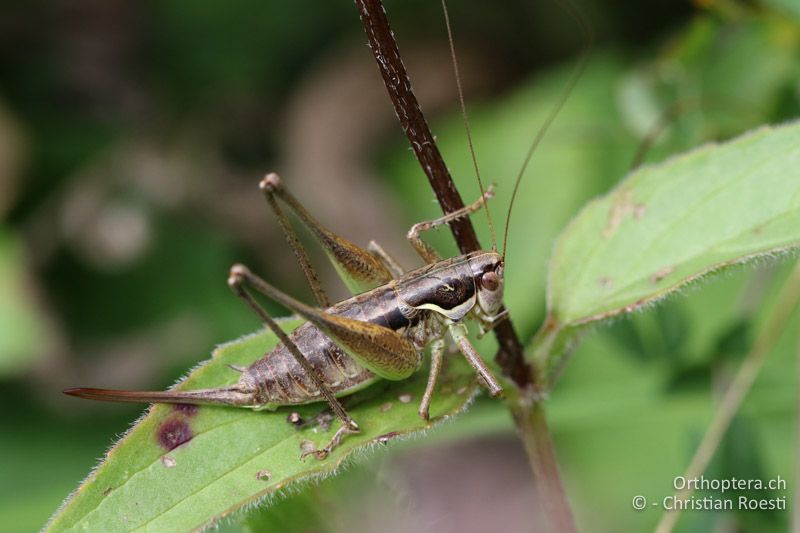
[[147, 125], [23, 330]]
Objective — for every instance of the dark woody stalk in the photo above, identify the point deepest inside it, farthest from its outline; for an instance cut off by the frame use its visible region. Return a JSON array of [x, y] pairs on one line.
[[384, 47], [527, 412]]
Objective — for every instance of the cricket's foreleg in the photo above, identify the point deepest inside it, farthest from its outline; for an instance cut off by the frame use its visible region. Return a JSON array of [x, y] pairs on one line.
[[239, 278], [437, 356], [424, 249], [384, 257], [459, 334], [359, 269]]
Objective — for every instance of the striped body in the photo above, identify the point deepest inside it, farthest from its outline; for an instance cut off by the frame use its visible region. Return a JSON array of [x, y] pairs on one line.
[[415, 305]]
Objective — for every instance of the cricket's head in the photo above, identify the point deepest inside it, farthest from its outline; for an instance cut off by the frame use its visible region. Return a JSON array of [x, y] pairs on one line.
[[488, 269]]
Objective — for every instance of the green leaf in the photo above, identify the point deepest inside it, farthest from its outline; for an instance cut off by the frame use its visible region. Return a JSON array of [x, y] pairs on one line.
[[787, 7], [614, 406], [236, 457], [23, 333], [668, 224]]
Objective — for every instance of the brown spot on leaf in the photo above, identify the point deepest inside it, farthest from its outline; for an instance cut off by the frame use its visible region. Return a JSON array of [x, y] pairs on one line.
[[383, 439], [605, 282], [295, 419], [623, 206], [107, 491], [385, 407], [323, 420], [404, 398], [173, 432], [307, 446], [263, 475], [661, 274], [168, 461], [630, 308], [187, 409]]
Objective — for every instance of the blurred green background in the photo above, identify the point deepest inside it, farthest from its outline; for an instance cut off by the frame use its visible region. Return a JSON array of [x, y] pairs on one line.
[[132, 138]]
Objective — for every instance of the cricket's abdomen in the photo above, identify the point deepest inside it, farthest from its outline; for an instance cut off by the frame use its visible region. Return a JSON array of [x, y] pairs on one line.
[[278, 379]]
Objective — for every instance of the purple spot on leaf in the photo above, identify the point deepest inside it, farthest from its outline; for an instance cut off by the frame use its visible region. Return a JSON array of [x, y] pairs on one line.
[[173, 432]]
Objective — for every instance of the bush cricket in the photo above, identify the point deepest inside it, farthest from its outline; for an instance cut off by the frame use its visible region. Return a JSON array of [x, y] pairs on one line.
[[381, 332]]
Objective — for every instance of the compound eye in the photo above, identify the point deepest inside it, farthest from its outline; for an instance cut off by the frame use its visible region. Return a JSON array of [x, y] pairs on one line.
[[490, 281]]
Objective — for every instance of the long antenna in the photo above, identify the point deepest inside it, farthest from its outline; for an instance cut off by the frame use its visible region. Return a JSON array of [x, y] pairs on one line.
[[466, 119], [576, 75]]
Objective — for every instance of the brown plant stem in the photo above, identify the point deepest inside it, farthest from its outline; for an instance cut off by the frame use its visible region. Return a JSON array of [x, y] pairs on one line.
[[412, 121], [527, 412], [384, 47], [532, 424]]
